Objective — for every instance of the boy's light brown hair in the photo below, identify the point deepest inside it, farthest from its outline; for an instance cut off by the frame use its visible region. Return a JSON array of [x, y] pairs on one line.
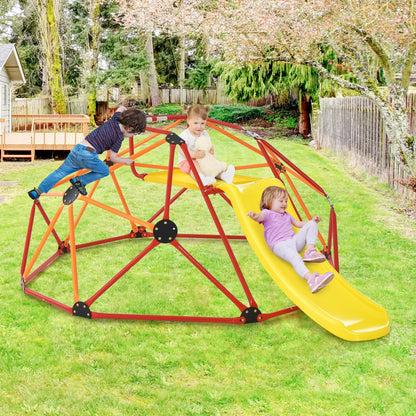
[[269, 194], [198, 110]]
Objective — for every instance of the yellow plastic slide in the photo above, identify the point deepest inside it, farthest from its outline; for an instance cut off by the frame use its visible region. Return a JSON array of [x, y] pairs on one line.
[[339, 307]]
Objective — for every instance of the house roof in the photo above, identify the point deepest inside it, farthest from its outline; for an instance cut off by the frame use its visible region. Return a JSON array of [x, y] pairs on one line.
[[9, 59]]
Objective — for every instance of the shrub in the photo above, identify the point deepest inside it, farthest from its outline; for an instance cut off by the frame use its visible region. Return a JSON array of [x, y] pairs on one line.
[[236, 113]]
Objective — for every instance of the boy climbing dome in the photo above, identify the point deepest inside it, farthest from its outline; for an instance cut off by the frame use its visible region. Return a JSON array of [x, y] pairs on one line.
[[109, 136]]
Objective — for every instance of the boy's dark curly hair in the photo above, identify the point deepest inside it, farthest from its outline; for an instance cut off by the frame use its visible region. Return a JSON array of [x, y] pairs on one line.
[[133, 118]]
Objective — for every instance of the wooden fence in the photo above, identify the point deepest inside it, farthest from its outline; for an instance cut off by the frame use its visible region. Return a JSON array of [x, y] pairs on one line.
[[353, 126], [79, 105]]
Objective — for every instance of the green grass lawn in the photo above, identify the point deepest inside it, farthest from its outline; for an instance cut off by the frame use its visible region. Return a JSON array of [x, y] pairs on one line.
[[55, 364]]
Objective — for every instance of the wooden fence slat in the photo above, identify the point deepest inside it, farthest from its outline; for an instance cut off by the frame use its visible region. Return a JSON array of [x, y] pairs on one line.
[[354, 126]]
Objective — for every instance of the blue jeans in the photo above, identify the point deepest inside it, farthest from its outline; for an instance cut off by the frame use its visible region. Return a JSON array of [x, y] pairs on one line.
[[78, 158]]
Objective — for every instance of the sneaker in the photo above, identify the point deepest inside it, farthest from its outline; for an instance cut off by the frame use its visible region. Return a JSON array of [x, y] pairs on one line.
[[34, 193], [312, 256], [319, 281], [228, 175], [207, 180], [77, 183]]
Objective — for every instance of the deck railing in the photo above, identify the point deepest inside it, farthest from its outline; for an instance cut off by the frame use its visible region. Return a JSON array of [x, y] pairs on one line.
[[46, 132], [58, 130]]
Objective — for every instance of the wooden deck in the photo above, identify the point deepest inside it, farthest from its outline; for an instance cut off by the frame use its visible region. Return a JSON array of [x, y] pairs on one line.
[[48, 132]]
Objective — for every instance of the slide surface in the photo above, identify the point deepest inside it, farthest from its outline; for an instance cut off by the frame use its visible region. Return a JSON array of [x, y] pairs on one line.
[[339, 307]]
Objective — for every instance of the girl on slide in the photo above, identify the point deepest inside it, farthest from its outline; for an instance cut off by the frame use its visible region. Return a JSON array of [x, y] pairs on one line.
[[283, 241]]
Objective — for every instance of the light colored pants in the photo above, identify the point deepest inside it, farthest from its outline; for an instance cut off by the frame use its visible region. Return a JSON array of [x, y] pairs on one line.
[[289, 249]]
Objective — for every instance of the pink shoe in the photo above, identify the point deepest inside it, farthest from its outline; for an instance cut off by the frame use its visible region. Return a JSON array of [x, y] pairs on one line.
[[319, 281], [312, 256]]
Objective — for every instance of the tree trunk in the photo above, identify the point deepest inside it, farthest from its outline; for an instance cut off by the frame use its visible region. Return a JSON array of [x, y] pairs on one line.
[[144, 87], [92, 63], [154, 86], [304, 119], [181, 74], [49, 17]]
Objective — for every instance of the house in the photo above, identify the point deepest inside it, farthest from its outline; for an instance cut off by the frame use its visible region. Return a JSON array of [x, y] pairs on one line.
[[11, 73]]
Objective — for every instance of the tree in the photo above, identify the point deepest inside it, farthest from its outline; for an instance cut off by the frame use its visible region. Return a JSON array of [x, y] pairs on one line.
[[259, 79], [367, 35], [87, 15], [19, 25], [177, 18]]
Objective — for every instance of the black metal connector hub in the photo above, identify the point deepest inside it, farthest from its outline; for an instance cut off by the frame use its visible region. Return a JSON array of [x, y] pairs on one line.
[[251, 315], [81, 309], [165, 231], [173, 138]]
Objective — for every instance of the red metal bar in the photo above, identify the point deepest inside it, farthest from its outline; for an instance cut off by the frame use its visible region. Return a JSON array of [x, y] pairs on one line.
[[48, 300], [42, 242], [28, 236], [160, 131], [293, 166], [170, 203], [334, 234], [165, 118], [204, 192], [106, 240], [124, 270], [224, 123], [73, 252], [42, 267], [266, 316], [172, 148], [237, 320], [132, 166], [203, 270], [230, 252], [212, 236], [47, 220]]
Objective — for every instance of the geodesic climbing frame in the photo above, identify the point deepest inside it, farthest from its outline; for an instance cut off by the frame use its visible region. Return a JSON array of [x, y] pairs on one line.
[[160, 229]]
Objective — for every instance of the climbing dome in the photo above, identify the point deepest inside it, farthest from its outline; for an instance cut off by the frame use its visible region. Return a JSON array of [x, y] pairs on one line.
[[60, 235]]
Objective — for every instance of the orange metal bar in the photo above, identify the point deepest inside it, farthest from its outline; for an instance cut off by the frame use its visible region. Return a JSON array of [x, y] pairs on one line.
[[82, 210], [148, 165], [116, 212], [43, 241], [152, 136], [149, 148], [231, 136], [257, 165], [142, 152], [123, 201], [73, 252]]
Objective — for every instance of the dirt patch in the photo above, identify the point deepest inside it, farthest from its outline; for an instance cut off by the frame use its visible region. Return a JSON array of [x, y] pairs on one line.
[[9, 188], [268, 129], [7, 191]]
